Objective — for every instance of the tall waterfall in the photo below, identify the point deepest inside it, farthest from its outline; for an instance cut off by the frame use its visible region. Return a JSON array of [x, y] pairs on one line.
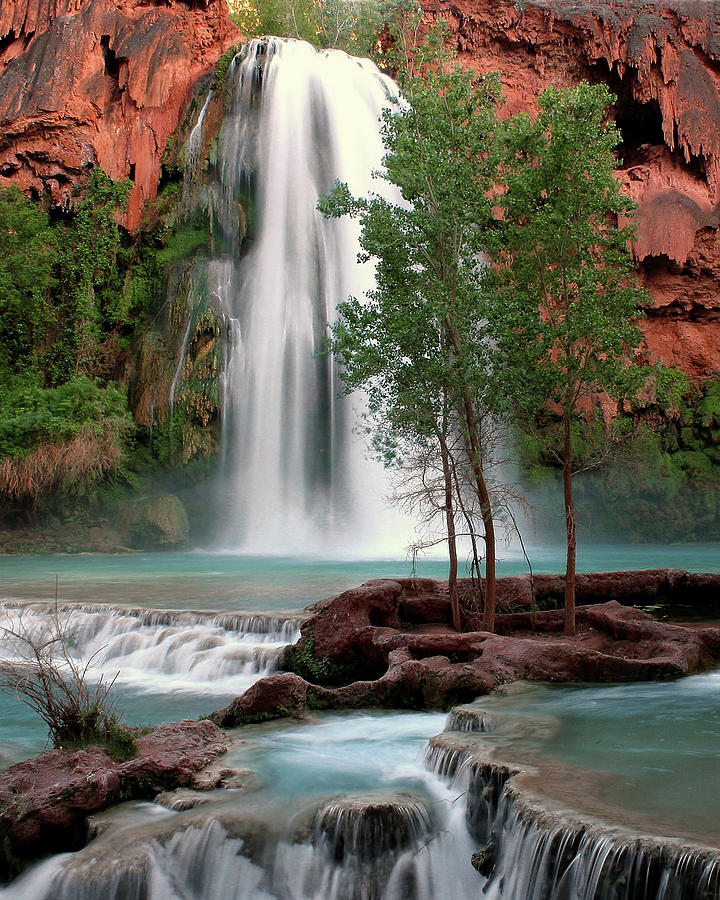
[[294, 474]]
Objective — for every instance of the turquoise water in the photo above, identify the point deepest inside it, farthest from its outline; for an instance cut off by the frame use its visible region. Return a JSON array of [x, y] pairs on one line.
[[348, 752], [628, 740], [647, 751], [199, 580]]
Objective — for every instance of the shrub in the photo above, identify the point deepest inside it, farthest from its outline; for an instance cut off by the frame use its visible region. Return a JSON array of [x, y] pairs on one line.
[[45, 676]]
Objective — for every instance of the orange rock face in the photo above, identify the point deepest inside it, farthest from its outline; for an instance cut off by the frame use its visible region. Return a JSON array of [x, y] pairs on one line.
[[99, 82], [662, 60]]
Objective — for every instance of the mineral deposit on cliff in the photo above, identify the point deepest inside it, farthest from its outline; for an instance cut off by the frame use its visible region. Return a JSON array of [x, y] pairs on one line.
[[662, 60]]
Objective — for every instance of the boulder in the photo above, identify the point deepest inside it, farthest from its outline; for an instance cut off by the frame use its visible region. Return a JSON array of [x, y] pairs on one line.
[[154, 523], [44, 801]]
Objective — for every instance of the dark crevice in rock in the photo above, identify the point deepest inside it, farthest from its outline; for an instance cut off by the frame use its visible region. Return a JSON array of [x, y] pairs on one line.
[[6, 40], [113, 67]]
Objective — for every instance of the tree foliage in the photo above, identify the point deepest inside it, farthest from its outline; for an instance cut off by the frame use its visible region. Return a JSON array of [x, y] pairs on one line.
[[69, 300], [566, 299], [418, 343], [350, 25], [29, 249]]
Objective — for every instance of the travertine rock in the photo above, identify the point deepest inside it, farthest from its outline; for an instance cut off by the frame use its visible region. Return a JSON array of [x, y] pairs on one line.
[[44, 801], [421, 662], [86, 82]]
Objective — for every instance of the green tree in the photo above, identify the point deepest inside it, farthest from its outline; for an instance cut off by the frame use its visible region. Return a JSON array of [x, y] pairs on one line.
[[566, 294], [28, 256], [350, 25], [418, 343]]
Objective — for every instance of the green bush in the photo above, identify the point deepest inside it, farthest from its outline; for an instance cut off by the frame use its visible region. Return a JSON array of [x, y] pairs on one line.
[[31, 414]]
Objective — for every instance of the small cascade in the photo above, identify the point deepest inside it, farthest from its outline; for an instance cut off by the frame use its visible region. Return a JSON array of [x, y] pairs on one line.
[[446, 754], [366, 828], [538, 856], [194, 143], [528, 853], [469, 719], [200, 860], [294, 478], [471, 830], [356, 845], [158, 649]]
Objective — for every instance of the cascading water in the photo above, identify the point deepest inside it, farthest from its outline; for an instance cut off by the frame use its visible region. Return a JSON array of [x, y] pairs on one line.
[[411, 837], [294, 476], [156, 651]]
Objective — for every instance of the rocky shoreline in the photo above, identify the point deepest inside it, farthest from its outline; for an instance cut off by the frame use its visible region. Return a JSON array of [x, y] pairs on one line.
[[387, 643]]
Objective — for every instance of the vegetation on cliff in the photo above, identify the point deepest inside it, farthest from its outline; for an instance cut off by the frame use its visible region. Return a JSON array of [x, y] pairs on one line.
[[110, 350], [350, 25], [76, 292]]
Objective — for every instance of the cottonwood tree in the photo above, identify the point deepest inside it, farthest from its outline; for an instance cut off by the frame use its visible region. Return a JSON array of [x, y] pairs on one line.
[[566, 299], [419, 343]]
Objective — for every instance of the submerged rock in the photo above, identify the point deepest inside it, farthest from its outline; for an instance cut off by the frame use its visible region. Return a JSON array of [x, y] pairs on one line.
[[368, 826], [469, 718], [155, 523]]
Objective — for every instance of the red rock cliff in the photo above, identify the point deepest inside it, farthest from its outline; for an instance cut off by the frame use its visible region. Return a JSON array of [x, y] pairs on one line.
[[662, 60], [99, 82]]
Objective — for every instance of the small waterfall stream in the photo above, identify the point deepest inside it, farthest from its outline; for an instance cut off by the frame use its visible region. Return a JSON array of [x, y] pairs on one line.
[[294, 478], [412, 838], [213, 653]]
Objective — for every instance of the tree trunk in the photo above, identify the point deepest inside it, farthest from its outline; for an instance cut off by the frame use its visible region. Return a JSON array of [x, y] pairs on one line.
[[485, 511], [474, 440], [451, 535], [570, 531]]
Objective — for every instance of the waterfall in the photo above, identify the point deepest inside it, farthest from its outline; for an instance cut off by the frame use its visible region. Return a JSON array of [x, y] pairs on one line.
[[471, 829], [156, 650], [294, 477]]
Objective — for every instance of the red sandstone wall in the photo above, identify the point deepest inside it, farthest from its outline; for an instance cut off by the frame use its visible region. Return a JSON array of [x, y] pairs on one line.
[[662, 59], [85, 82], [99, 82]]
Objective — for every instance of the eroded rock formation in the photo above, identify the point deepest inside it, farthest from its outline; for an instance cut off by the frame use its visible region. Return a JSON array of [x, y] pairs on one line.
[[44, 801], [389, 643], [662, 60], [86, 82]]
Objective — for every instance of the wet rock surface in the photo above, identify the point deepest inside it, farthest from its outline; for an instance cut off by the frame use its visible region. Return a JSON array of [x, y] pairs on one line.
[[44, 801], [437, 667]]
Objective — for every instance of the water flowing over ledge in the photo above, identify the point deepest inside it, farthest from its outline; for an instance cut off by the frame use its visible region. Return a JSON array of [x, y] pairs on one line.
[[381, 845], [294, 475], [532, 850], [158, 649]]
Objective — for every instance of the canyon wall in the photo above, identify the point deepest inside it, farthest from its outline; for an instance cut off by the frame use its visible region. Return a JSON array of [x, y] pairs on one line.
[[99, 82], [92, 82], [662, 60]]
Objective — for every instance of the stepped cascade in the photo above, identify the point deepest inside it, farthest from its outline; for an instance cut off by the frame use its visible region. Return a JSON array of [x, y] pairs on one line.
[[153, 650], [294, 477]]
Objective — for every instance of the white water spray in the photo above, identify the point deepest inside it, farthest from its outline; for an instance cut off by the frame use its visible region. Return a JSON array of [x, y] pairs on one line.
[[295, 478]]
